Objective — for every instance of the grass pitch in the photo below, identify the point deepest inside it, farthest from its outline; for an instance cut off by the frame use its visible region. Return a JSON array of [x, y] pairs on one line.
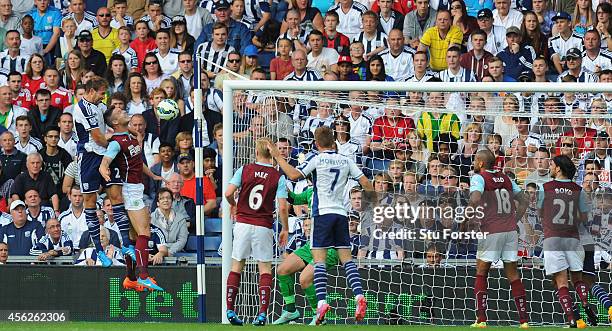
[[103, 326]]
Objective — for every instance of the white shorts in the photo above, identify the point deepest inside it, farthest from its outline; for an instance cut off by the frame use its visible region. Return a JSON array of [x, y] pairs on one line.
[[498, 246], [133, 196], [253, 241], [562, 254]]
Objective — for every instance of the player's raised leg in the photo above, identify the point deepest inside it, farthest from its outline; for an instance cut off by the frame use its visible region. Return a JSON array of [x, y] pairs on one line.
[[342, 242], [307, 284]]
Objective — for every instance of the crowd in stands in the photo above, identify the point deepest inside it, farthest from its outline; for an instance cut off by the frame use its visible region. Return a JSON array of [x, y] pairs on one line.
[[147, 51]]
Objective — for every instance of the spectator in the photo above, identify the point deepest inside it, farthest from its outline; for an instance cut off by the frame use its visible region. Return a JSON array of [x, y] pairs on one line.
[[376, 70], [67, 137], [30, 44], [47, 22], [517, 57], [505, 125], [33, 78], [36, 212], [84, 19], [519, 163], [533, 36], [170, 221], [21, 97], [8, 111], [583, 136], [184, 75], [398, 58], [422, 73], [573, 61], [390, 133], [136, 93], [121, 18], [310, 16], [544, 15], [433, 183], [3, 252], [152, 72], [418, 154], [388, 18], [238, 34], [89, 257], [11, 58], [434, 257], [542, 173], [157, 246], [595, 58], [164, 129], [143, 43], [439, 38], [67, 41], [54, 243], [600, 155], [8, 18], [496, 34], [215, 51], [150, 141], [167, 57], [467, 24], [40, 118], [294, 31], [73, 71], [55, 158], [195, 18], [20, 235], [186, 167], [506, 16], [476, 60], [418, 21], [584, 17], [155, 17], [559, 45], [13, 160], [432, 124], [73, 219], [455, 73], [320, 58], [374, 246], [25, 142], [468, 146], [550, 128], [94, 59], [374, 41], [280, 66], [602, 23], [532, 140], [35, 178], [166, 165], [332, 38], [105, 37], [60, 97]]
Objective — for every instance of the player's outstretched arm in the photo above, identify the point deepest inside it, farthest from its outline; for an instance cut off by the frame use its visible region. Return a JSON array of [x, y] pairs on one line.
[[291, 172], [104, 168]]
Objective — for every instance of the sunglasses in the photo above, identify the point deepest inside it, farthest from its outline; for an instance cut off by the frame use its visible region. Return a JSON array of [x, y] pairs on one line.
[[149, 63], [567, 145], [233, 61], [105, 15], [185, 61]]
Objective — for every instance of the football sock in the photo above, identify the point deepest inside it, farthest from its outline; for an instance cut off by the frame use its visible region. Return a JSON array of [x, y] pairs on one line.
[[520, 299], [352, 277], [130, 267], [286, 283], [602, 296], [480, 292], [320, 280], [142, 256], [566, 302], [311, 297], [233, 284], [265, 287], [583, 292], [123, 223], [94, 227]]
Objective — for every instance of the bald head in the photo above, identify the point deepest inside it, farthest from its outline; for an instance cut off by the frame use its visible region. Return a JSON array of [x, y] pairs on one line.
[[485, 159]]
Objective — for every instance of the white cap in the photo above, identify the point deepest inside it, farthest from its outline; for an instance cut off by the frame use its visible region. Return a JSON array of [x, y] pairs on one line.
[[16, 204]]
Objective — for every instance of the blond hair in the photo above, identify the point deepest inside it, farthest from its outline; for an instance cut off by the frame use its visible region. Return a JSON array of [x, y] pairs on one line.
[[261, 145]]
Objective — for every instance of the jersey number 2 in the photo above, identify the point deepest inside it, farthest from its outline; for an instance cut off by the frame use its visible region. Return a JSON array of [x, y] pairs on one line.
[[255, 197]]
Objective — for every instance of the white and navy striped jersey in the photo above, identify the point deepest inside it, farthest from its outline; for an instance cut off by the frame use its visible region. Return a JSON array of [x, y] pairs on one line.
[[307, 76], [207, 4], [33, 145], [370, 44], [584, 77], [131, 59], [129, 22], [532, 139], [399, 67], [166, 22], [168, 63], [350, 149], [13, 64], [457, 100], [5, 219], [214, 99], [4, 76], [254, 9], [361, 128], [426, 77], [156, 240], [211, 56], [45, 214], [313, 122], [88, 23], [558, 45], [379, 247], [87, 117], [603, 61], [330, 174], [73, 226], [46, 244], [350, 23]]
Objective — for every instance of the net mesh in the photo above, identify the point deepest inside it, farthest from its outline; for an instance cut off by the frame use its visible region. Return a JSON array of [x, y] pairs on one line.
[[418, 150]]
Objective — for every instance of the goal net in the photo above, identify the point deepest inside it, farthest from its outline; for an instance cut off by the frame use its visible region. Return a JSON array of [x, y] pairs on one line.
[[416, 143]]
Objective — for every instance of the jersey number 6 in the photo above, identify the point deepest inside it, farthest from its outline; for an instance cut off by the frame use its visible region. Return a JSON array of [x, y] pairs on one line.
[[255, 198]]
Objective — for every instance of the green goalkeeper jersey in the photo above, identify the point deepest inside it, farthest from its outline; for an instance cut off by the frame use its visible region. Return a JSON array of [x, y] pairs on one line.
[[304, 253]]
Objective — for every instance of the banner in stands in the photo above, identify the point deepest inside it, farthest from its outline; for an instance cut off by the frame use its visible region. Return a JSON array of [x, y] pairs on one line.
[[394, 296]]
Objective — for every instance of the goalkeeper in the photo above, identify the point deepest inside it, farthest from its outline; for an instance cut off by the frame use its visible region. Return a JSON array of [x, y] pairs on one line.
[[300, 260]]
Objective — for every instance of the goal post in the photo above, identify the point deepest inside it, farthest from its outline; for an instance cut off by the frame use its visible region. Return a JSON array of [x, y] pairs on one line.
[[404, 283]]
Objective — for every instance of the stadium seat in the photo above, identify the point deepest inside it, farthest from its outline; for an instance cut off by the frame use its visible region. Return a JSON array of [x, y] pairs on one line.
[[192, 244], [212, 243], [212, 226]]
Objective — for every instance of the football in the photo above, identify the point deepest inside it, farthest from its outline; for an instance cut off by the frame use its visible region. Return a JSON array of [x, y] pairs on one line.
[[167, 109]]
